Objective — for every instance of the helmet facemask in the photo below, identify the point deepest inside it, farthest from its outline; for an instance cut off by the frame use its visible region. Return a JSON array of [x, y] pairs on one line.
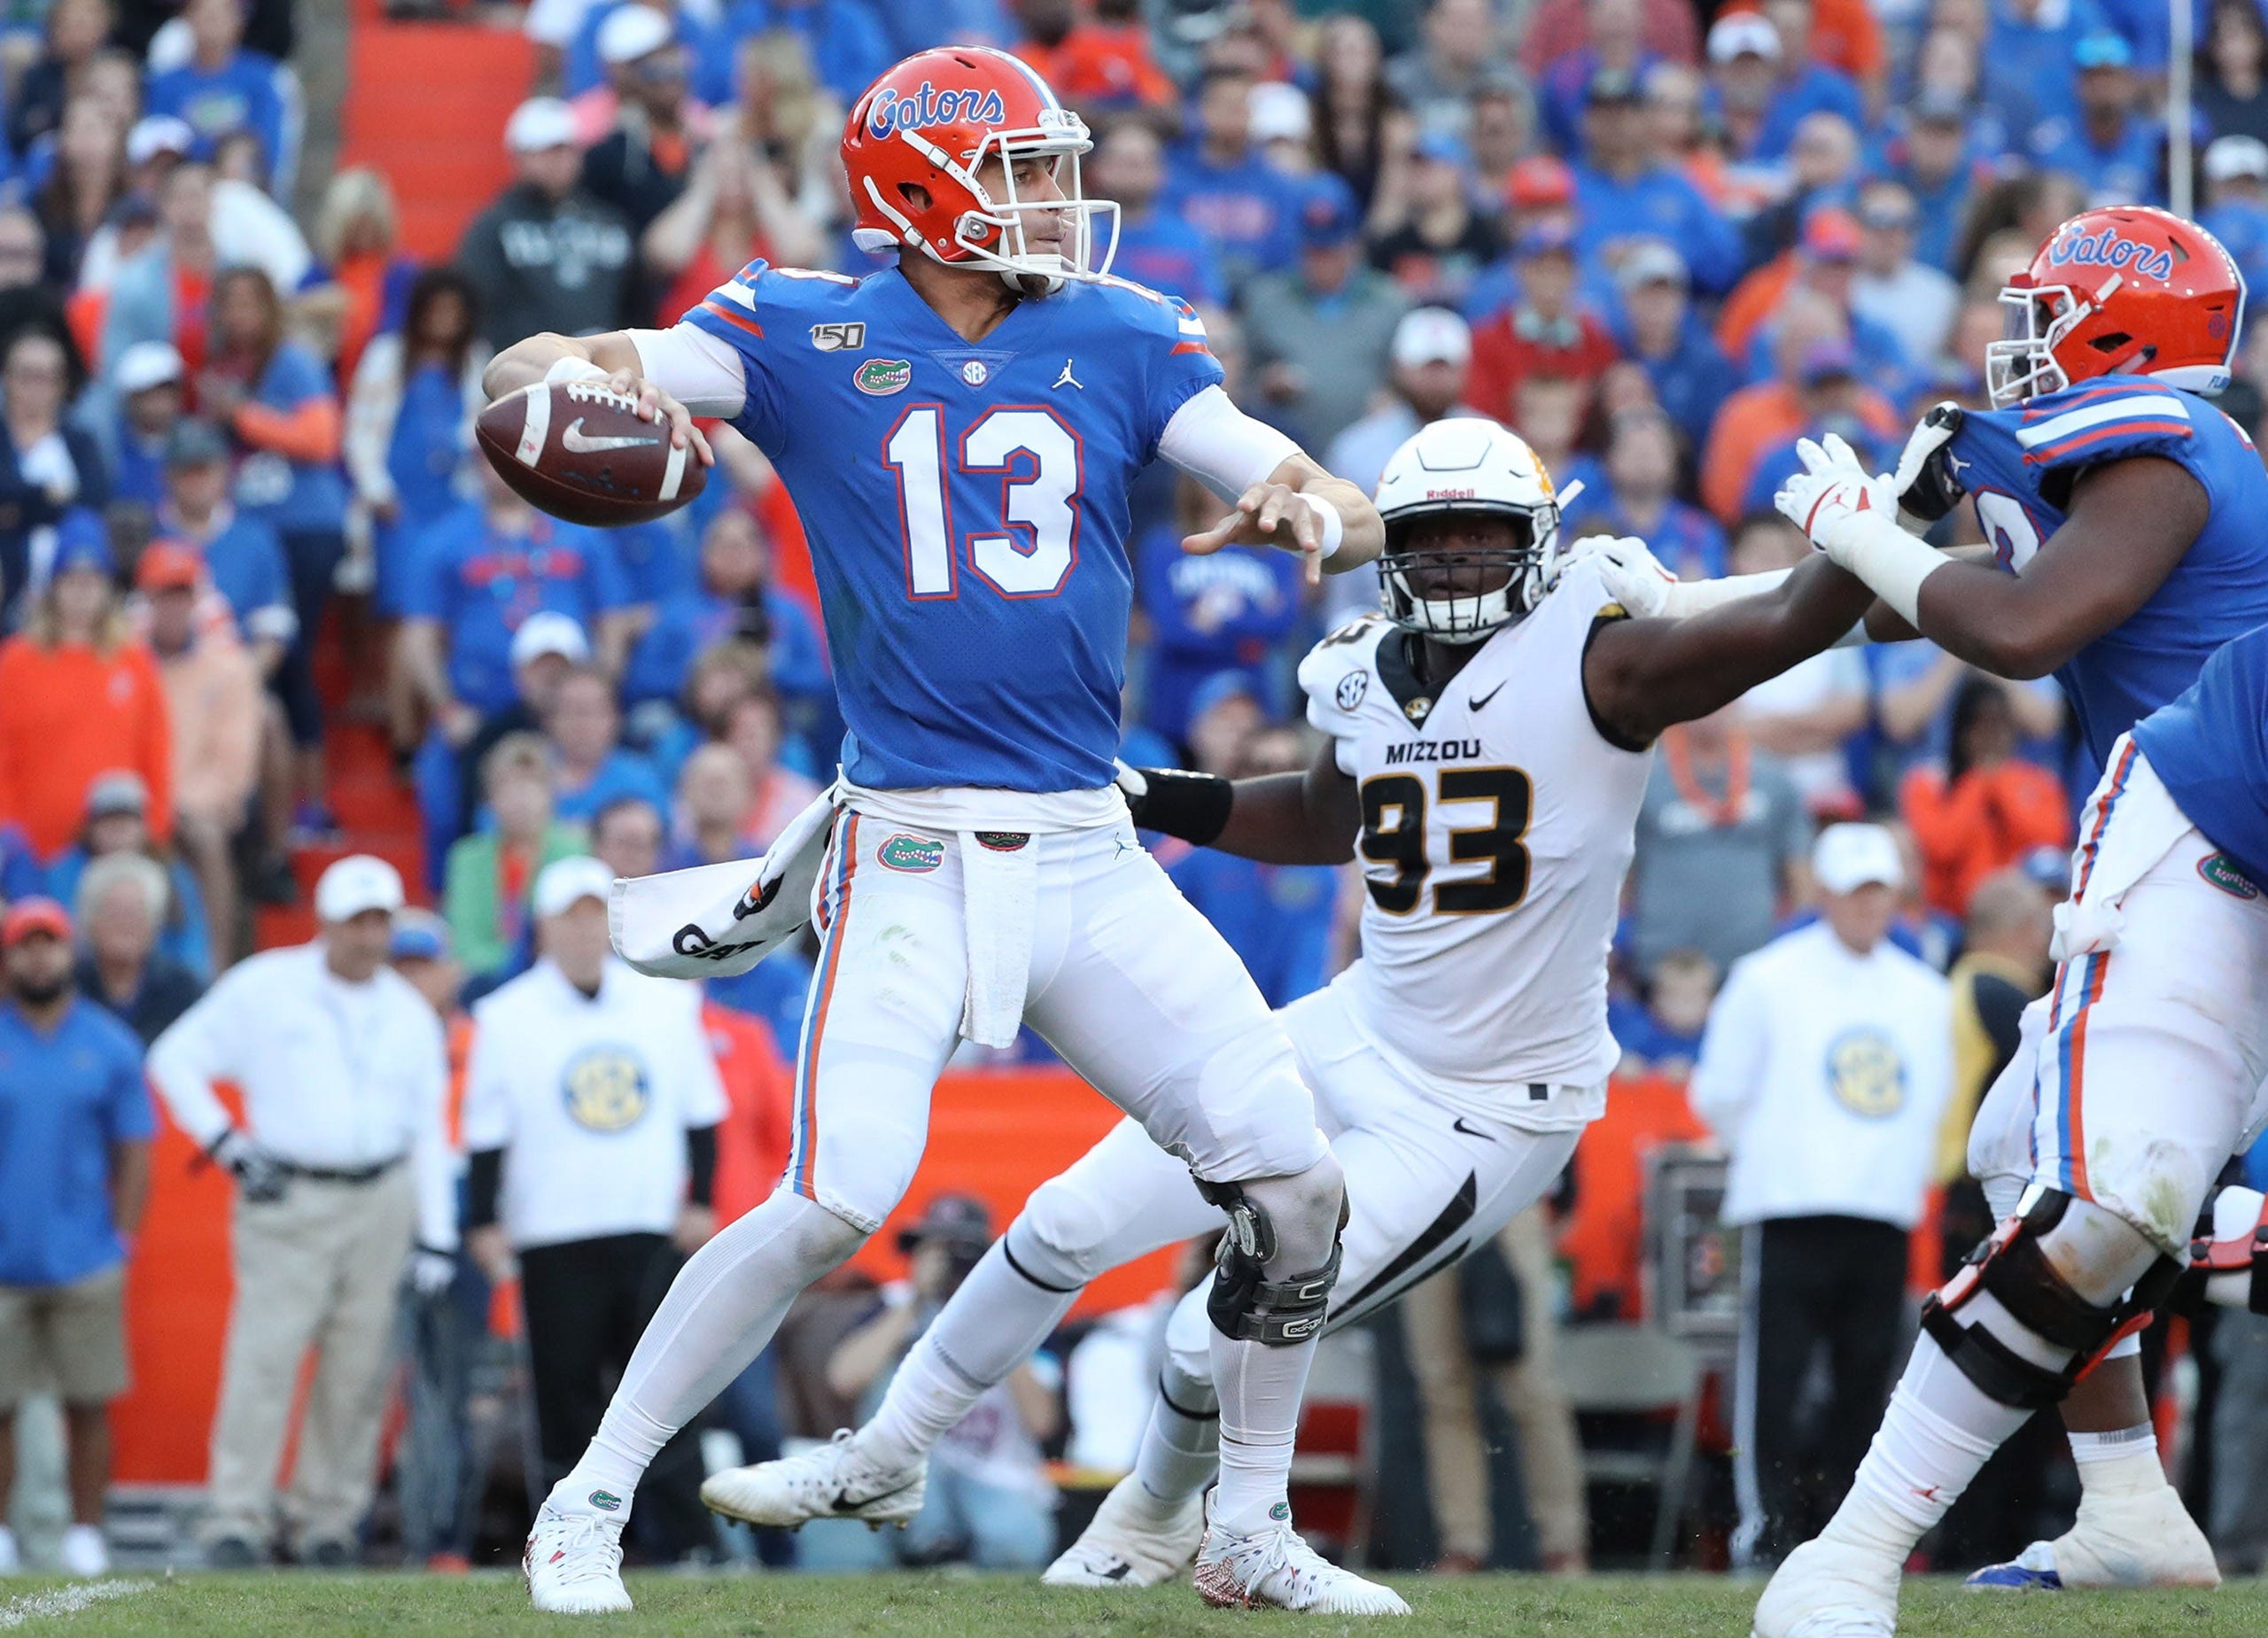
[[1460, 594], [2035, 319]]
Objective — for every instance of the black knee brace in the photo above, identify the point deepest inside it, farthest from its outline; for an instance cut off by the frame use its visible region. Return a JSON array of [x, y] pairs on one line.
[[1245, 1303], [2013, 1268]]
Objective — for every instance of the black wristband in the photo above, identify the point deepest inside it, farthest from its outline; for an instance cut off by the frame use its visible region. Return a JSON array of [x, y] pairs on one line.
[[1192, 806], [484, 1175], [701, 1165]]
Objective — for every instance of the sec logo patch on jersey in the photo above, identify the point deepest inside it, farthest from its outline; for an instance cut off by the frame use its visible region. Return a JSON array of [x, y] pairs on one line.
[[1866, 1073], [1351, 689], [605, 1089]]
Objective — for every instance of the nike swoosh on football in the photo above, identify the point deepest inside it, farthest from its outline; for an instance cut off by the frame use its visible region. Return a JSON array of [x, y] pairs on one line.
[[575, 444], [1472, 705], [1458, 1125]]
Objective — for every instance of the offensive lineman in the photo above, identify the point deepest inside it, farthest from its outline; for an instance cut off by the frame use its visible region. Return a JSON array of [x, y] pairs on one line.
[[958, 433], [1488, 746], [2123, 513]]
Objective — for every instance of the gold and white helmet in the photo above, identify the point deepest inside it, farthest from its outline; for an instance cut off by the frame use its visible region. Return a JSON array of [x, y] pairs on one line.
[[1467, 464]]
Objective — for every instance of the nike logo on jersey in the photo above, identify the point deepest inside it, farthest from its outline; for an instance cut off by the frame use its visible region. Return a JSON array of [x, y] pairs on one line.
[[1433, 751], [1484, 699], [575, 444], [1458, 1125], [1068, 379]]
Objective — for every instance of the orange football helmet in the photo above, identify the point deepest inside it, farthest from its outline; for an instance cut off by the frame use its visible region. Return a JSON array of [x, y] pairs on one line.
[[933, 122], [2125, 290]]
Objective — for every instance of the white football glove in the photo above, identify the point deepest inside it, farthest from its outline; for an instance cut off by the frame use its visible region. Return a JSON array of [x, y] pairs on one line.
[[1832, 494], [1630, 571]]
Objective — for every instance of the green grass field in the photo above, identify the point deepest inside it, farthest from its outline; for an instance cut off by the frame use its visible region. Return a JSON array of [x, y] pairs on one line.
[[906, 1606]]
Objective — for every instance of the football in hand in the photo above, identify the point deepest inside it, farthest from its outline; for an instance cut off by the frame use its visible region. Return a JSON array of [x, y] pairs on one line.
[[580, 452]]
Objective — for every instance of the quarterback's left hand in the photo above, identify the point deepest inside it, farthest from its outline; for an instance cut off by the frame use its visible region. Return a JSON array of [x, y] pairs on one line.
[[1834, 494], [1267, 515]]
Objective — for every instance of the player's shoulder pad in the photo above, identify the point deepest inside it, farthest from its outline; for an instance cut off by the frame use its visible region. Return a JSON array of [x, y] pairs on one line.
[[1168, 318], [2101, 420], [1339, 672], [761, 293]]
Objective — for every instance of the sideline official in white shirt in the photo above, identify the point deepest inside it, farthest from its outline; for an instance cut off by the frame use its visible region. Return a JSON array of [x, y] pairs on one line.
[[591, 1107], [342, 1149], [1824, 1072]]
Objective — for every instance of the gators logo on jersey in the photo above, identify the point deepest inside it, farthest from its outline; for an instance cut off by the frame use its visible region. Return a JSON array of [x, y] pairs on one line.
[[916, 856], [879, 378], [1866, 1074], [605, 1087]]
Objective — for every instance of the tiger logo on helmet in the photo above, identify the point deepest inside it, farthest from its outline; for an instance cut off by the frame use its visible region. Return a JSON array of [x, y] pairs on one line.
[[918, 145]]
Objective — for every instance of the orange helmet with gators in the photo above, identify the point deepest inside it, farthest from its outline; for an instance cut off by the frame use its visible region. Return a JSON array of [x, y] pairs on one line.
[[2125, 290], [917, 146]]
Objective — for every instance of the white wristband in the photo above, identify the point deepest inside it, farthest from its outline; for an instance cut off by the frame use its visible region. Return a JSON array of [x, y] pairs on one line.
[[1333, 526], [1892, 562], [572, 368], [1691, 597]]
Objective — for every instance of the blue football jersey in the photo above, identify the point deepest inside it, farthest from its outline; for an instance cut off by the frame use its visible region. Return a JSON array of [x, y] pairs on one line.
[[2019, 465], [2210, 748], [967, 507]]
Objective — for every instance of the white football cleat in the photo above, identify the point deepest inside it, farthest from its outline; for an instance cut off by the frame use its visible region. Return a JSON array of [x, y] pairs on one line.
[[1276, 1570], [573, 1563], [2117, 1541], [834, 1481], [1129, 1542], [1829, 1589], [85, 1552]]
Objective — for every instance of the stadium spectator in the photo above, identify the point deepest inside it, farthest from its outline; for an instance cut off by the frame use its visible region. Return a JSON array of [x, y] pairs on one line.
[[408, 432], [1156, 247], [123, 899], [241, 551], [715, 795], [1356, 114], [847, 42], [1435, 80], [1319, 335], [362, 285], [149, 382], [2231, 84], [74, 32], [1795, 84], [1824, 1073], [75, 1174], [1639, 498], [546, 252], [342, 1155], [1986, 807], [1932, 158], [1556, 27], [545, 648], [1891, 289], [590, 767], [1210, 617], [83, 699], [639, 166], [1498, 137], [1102, 60], [1626, 187], [1721, 844], [1430, 357], [275, 401], [1659, 1029], [626, 836], [1449, 1356], [989, 1500], [225, 88], [2028, 54], [2236, 202], [733, 210], [212, 699], [1664, 336], [47, 465], [758, 735], [86, 178], [118, 821], [735, 599], [1615, 38], [491, 873], [1442, 243], [2110, 149], [1219, 183], [592, 1103]]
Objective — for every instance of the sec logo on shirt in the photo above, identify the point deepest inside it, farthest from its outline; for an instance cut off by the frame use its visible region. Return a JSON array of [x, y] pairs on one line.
[[1866, 1073], [606, 1088]]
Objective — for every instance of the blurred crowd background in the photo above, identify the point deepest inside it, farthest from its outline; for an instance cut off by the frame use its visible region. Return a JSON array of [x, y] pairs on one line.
[[264, 605]]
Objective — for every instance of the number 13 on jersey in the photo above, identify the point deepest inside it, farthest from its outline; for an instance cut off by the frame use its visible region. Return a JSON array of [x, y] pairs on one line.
[[1028, 543]]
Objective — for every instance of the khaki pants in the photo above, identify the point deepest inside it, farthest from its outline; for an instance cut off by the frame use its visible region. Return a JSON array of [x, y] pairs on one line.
[[1456, 1462], [321, 1268]]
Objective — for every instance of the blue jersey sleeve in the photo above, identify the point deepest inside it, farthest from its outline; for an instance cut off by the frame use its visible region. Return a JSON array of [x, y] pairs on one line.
[[2093, 423], [737, 313], [1180, 364]]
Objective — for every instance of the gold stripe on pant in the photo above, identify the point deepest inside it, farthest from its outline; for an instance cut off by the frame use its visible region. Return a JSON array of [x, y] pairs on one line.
[[319, 1269]]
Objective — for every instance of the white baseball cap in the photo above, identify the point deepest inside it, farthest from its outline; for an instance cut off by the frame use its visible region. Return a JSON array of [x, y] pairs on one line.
[[1431, 335], [2230, 157], [156, 134], [630, 32], [1279, 112], [1847, 858], [354, 884], [549, 632], [147, 364], [566, 882], [1743, 33], [538, 123]]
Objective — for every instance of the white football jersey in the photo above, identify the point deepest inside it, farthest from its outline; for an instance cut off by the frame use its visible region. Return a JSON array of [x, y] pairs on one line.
[[1497, 824]]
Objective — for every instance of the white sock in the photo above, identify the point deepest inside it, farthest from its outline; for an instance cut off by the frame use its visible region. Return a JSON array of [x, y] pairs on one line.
[[1260, 1388], [1181, 1448], [996, 1321], [720, 1311], [1939, 1431], [2123, 1462]]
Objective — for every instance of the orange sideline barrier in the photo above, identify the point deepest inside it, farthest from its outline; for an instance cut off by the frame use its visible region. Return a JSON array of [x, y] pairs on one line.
[[996, 1133]]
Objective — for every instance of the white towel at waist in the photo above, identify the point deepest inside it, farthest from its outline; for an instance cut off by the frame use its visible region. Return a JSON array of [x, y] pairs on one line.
[[999, 872], [719, 920]]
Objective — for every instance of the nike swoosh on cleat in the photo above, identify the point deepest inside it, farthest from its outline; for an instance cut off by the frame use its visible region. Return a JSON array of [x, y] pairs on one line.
[[1471, 704], [844, 1503], [573, 441], [1119, 1571]]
